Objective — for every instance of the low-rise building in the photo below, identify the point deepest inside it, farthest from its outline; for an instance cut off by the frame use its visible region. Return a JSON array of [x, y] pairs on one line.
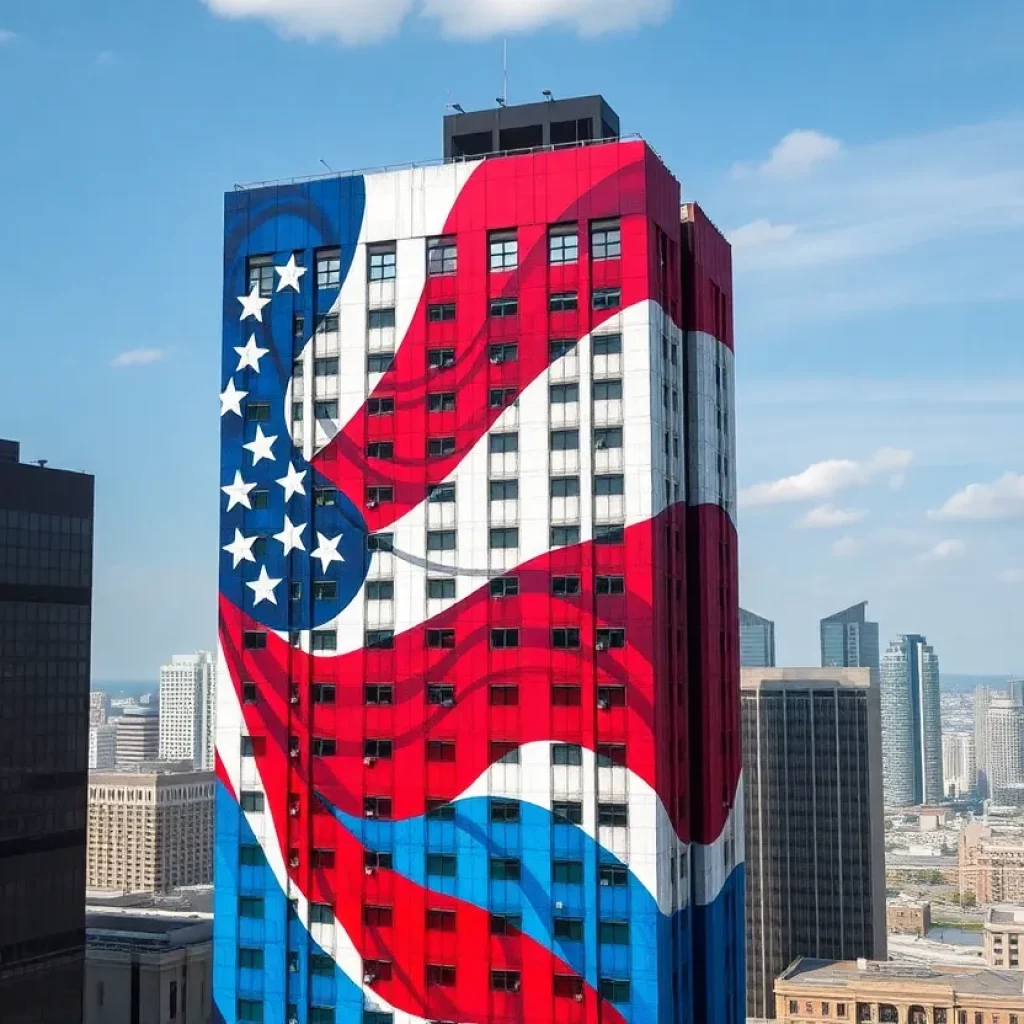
[[908, 917], [991, 868], [824, 991], [1004, 928], [148, 967]]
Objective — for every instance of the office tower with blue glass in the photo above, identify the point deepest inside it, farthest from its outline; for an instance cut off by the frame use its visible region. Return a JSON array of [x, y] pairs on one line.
[[757, 641]]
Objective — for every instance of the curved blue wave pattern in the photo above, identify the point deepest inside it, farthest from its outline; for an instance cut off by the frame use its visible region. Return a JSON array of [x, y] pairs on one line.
[[279, 222], [538, 841], [278, 934], [719, 952]]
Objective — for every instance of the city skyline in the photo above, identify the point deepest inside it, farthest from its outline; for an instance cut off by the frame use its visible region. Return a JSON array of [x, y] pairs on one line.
[[868, 334]]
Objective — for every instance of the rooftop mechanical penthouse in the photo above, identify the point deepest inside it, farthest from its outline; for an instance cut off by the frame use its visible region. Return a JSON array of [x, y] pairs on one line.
[[478, 715]]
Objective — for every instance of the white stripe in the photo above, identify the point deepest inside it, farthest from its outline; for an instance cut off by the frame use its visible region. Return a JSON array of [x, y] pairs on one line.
[[714, 863]]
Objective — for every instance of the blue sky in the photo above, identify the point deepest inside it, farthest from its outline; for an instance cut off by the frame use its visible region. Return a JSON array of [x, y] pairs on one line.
[[869, 168]]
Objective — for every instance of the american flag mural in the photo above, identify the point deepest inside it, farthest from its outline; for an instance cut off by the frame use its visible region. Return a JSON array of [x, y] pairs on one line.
[[477, 716]]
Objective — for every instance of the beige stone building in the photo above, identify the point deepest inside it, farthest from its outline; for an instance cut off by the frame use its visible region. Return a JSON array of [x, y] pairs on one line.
[[991, 868], [827, 992], [1004, 936], [150, 831], [907, 917]]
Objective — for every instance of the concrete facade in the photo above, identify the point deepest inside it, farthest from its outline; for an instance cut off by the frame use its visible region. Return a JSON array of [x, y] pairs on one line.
[[906, 917]]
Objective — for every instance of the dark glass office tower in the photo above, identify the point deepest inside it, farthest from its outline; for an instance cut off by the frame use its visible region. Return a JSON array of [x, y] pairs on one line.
[[45, 618], [849, 640]]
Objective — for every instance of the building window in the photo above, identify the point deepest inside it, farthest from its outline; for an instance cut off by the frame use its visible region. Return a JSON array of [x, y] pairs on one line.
[[499, 398], [614, 933], [378, 319], [329, 324], [506, 924], [380, 495], [441, 312], [252, 802], [440, 920], [298, 326], [380, 450], [608, 437], [441, 638], [608, 534], [566, 695], [382, 264], [377, 916], [439, 809], [568, 872], [505, 586], [504, 752], [250, 693], [612, 695], [380, 542], [441, 540], [504, 353], [377, 970], [261, 275], [324, 640], [606, 298], [254, 640], [326, 366], [607, 390], [565, 586], [377, 807], [505, 981], [251, 907], [564, 244], [561, 348], [504, 490], [322, 859], [562, 302], [380, 749], [610, 639], [565, 440], [565, 638], [504, 538], [616, 815], [504, 250], [564, 394], [442, 256], [614, 875], [323, 747], [564, 536], [611, 754], [379, 694], [380, 639], [377, 859], [324, 497], [504, 307], [565, 487], [504, 639], [608, 585], [325, 590], [504, 812], [441, 694], [607, 345], [439, 447], [324, 693], [614, 990], [250, 856], [326, 410], [568, 986], [503, 444], [257, 412], [328, 268], [567, 754], [506, 869], [569, 929], [250, 1011], [441, 751], [441, 865], [442, 401], [605, 240], [440, 975], [443, 589], [504, 695]]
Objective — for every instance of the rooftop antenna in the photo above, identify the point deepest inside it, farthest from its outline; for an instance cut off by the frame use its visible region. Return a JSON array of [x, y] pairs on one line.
[[504, 64]]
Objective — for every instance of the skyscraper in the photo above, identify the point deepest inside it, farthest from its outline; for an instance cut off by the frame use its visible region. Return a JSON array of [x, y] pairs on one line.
[[757, 641], [1005, 745], [186, 709], [138, 736], [848, 639], [478, 701], [959, 764], [982, 700], [812, 764], [911, 723], [46, 520]]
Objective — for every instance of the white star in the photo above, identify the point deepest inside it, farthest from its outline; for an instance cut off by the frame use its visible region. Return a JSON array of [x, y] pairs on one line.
[[263, 587], [250, 355], [252, 304], [238, 492], [262, 446], [240, 548], [291, 536], [292, 482], [231, 399], [327, 552], [290, 274]]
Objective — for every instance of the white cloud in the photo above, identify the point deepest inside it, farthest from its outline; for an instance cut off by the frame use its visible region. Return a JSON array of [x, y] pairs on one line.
[[794, 155], [944, 550], [7, 36], [360, 21], [1001, 499], [105, 57], [827, 517], [138, 357], [823, 479], [759, 232], [846, 547], [1012, 576]]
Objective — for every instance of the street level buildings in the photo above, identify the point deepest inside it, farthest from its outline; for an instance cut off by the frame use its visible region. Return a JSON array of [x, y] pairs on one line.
[[150, 831], [186, 709], [757, 641], [911, 723], [478, 688], [46, 520], [812, 764]]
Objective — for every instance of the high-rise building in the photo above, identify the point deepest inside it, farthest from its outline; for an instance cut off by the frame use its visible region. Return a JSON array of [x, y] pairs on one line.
[[757, 641], [150, 831], [478, 701], [815, 854], [1015, 690], [99, 708], [138, 736], [1005, 745], [911, 723], [102, 747], [186, 709], [849, 640], [959, 766], [46, 518], [982, 700]]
